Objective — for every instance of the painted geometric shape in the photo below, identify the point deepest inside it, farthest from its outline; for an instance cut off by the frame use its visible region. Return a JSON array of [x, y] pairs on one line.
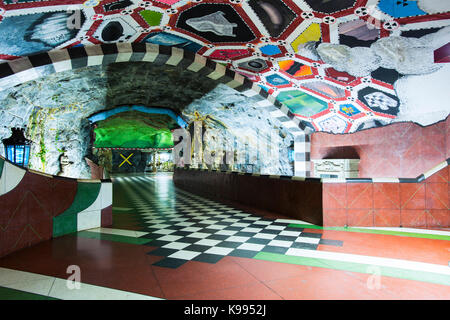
[[90, 3], [116, 30], [274, 14], [333, 124], [339, 75], [442, 55], [263, 87], [270, 50], [358, 29], [153, 18], [255, 65], [400, 8], [295, 69], [379, 101], [225, 54], [330, 6], [385, 75], [167, 39], [312, 33], [349, 110], [276, 80], [215, 23], [38, 32], [117, 5], [325, 89], [169, 2], [357, 33], [302, 103]]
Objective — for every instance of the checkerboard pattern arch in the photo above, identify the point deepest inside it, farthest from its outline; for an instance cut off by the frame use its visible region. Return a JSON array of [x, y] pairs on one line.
[[35, 66]]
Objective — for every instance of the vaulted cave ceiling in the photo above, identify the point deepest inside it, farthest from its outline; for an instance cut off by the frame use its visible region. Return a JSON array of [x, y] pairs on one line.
[[330, 62]]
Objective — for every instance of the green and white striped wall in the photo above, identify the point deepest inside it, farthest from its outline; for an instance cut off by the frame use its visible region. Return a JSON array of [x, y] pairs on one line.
[[86, 210]]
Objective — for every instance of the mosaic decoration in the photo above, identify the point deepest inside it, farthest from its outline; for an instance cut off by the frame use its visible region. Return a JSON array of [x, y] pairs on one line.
[[400, 8], [295, 69], [168, 39], [325, 89], [271, 42], [38, 32], [301, 103], [274, 14], [215, 23], [379, 101]]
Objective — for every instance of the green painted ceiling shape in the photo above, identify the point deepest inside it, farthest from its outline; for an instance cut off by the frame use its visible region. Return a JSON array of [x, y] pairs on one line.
[[135, 130], [302, 103]]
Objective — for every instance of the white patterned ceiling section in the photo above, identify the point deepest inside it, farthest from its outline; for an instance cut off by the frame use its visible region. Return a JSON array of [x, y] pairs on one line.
[[334, 64]]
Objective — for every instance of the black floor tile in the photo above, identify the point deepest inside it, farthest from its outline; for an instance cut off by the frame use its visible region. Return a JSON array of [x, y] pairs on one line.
[[217, 237], [270, 231], [293, 229], [188, 240], [301, 245], [275, 249], [157, 243], [243, 253], [230, 228], [285, 238], [258, 241], [244, 234], [208, 258], [328, 242], [310, 235], [229, 244], [197, 248], [181, 233], [170, 263], [163, 252]]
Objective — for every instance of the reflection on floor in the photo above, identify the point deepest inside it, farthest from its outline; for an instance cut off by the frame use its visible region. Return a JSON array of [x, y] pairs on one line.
[[166, 243]]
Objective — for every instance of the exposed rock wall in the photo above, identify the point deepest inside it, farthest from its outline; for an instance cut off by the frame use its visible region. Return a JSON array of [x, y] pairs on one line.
[[55, 109], [233, 122]]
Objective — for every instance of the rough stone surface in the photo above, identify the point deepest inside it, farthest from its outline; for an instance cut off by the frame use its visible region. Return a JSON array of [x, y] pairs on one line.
[[406, 55], [235, 121], [55, 108]]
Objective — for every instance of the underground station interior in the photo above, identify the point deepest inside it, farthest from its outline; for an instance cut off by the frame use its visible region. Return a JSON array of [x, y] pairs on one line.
[[224, 150]]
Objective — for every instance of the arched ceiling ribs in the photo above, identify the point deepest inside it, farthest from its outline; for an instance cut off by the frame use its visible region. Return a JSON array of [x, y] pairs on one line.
[[29, 68]]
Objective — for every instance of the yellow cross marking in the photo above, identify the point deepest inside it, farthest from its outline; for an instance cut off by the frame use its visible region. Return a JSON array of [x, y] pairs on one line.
[[126, 160]]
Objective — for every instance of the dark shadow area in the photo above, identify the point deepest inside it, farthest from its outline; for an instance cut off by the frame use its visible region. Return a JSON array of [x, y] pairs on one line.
[[346, 152], [150, 84]]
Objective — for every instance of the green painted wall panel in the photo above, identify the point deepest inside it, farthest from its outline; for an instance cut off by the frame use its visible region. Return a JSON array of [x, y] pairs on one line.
[[87, 193], [66, 222], [2, 163], [64, 225]]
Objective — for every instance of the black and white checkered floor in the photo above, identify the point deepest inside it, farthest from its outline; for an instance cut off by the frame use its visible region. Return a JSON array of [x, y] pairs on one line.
[[187, 227]]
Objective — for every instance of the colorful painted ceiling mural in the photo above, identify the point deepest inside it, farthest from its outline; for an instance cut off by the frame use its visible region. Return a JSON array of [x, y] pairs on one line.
[[333, 63]]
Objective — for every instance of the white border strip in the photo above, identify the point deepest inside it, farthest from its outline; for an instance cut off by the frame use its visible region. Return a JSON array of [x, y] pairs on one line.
[[57, 287]]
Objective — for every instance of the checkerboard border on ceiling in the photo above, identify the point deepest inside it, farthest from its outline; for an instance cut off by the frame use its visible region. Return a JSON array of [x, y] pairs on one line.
[[29, 68]]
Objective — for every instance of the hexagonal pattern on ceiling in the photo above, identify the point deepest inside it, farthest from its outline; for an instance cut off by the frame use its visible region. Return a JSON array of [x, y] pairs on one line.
[[272, 42]]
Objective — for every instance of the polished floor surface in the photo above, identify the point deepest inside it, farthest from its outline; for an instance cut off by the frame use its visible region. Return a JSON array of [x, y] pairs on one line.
[[166, 243]]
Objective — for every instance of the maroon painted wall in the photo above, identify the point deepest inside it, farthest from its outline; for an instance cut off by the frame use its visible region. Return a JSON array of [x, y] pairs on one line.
[[403, 150], [27, 211], [425, 204]]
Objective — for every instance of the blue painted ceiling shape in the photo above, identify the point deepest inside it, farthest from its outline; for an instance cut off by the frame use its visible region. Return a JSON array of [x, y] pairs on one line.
[[154, 110]]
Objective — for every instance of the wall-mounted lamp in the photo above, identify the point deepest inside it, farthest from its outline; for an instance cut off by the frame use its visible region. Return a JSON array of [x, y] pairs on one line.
[[17, 147]]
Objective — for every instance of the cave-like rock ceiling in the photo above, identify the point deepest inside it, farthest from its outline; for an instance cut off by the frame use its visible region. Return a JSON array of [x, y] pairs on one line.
[[334, 63]]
